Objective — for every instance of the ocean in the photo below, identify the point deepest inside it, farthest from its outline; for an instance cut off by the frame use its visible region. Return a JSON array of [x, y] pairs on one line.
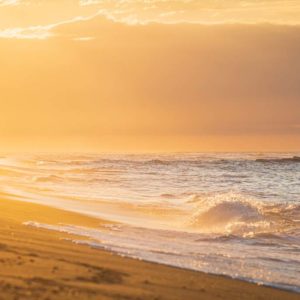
[[234, 214]]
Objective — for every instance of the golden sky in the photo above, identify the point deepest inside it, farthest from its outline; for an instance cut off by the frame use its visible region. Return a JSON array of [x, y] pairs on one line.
[[152, 75]]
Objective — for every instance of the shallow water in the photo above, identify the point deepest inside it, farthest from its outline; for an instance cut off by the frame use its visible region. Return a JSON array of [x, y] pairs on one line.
[[231, 214]]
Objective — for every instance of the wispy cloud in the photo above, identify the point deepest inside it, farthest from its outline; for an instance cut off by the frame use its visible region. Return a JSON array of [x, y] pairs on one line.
[[9, 2], [33, 32], [38, 32], [196, 11], [143, 12], [84, 39]]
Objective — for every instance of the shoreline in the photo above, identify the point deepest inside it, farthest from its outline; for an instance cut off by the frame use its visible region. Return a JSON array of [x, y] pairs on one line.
[[41, 264]]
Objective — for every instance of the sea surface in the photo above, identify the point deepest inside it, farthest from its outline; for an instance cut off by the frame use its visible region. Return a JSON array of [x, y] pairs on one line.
[[236, 214]]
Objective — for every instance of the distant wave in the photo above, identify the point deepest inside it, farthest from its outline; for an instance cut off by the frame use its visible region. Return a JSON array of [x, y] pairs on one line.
[[10, 172], [159, 161], [294, 159], [168, 196], [50, 178]]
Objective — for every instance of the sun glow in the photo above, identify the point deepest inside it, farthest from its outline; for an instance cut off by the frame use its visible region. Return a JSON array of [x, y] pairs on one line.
[[163, 75]]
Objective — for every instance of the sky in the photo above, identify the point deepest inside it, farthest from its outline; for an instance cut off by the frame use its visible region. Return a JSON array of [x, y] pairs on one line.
[[150, 75]]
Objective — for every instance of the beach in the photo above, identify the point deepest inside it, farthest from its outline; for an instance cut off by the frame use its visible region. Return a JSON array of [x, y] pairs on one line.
[[41, 264], [150, 150]]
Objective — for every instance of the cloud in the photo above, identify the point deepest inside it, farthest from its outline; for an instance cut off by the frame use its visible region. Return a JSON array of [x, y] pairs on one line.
[[9, 2], [32, 32], [204, 12], [166, 11], [38, 32], [138, 12], [89, 2], [84, 38]]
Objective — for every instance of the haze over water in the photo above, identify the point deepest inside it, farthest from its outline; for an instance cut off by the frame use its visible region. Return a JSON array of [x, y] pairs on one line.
[[233, 214]]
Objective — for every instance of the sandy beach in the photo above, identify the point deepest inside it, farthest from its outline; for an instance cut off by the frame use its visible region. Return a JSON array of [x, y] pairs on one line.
[[40, 264], [150, 150]]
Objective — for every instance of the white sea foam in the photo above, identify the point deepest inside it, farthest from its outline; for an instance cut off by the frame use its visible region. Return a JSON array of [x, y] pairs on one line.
[[206, 253]]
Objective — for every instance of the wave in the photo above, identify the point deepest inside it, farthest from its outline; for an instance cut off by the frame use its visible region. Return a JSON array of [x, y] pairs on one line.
[[158, 162], [10, 172], [199, 162], [135, 161], [239, 216], [168, 196], [294, 159], [50, 178], [149, 161]]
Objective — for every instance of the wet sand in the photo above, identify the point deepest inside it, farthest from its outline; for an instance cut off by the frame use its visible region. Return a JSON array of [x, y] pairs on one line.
[[40, 264]]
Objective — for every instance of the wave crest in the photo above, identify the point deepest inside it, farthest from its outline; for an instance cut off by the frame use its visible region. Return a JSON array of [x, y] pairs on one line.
[[233, 214]]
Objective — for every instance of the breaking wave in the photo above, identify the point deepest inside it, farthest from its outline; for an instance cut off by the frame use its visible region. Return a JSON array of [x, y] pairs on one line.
[[239, 216]]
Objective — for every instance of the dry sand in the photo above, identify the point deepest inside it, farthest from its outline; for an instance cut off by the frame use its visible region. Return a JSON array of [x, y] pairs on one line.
[[39, 264]]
